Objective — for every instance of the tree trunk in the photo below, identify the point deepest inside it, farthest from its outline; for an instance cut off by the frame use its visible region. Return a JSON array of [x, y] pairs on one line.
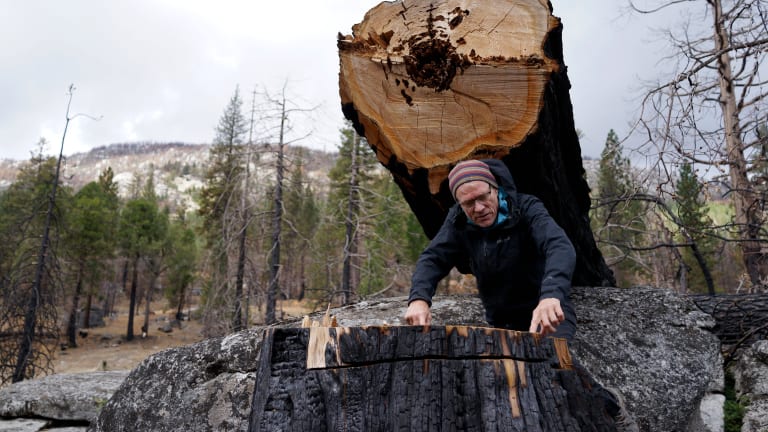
[[746, 203], [351, 225], [436, 82], [26, 345], [148, 303], [425, 379], [87, 311], [132, 304], [72, 323], [180, 304], [237, 315], [277, 222]]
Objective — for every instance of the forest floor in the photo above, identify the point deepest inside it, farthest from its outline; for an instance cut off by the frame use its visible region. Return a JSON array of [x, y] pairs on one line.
[[105, 348]]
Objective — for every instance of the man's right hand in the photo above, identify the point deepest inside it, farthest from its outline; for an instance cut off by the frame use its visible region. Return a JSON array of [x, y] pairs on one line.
[[418, 313]]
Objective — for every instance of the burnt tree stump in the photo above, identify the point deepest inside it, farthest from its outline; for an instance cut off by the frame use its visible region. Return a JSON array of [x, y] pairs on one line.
[[451, 378], [429, 83]]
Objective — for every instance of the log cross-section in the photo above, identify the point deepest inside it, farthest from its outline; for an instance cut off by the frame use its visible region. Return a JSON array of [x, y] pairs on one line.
[[451, 378], [440, 80]]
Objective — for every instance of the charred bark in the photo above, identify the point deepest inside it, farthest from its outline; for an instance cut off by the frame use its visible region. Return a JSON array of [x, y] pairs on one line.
[[741, 319], [414, 378]]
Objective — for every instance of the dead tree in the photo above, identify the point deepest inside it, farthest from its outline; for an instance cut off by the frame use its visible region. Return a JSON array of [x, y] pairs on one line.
[[710, 109], [26, 345], [430, 83]]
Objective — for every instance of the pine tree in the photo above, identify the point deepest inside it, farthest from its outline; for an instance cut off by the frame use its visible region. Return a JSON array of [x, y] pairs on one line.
[[350, 202], [618, 218], [25, 211], [182, 262], [89, 240], [220, 200], [301, 220], [395, 242], [142, 232], [695, 224]]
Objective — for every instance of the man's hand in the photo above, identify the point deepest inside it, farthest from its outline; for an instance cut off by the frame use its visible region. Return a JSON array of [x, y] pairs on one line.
[[547, 316], [418, 313]]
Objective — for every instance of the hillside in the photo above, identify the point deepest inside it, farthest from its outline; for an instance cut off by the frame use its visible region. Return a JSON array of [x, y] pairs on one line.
[[178, 168]]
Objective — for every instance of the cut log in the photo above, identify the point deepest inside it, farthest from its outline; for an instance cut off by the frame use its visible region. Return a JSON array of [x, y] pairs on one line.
[[414, 378], [430, 83]]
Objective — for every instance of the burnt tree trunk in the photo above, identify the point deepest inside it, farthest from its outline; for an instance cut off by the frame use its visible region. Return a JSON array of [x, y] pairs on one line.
[[433, 82], [427, 379], [741, 319]]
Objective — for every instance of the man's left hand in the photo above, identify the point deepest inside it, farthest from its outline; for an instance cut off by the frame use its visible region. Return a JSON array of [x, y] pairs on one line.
[[547, 316]]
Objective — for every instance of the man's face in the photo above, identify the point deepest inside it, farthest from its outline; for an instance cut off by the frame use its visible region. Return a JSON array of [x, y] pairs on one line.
[[479, 201]]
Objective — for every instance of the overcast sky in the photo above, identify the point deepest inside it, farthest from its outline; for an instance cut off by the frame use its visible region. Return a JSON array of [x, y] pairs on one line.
[[163, 70]]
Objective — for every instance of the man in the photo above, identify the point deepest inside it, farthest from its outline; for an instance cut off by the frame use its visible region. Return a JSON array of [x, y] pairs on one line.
[[521, 258]]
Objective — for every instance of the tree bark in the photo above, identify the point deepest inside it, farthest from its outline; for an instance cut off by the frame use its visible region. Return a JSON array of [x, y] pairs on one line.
[[351, 222], [741, 319], [132, 303], [72, 322], [415, 378], [746, 204], [277, 221], [431, 83]]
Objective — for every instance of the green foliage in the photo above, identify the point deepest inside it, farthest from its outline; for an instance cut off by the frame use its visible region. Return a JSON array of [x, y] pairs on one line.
[[142, 229], [226, 165], [220, 209], [759, 169], [91, 228], [182, 262], [23, 210], [692, 213], [618, 220], [388, 237], [395, 243], [350, 203], [341, 172], [300, 222], [733, 408]]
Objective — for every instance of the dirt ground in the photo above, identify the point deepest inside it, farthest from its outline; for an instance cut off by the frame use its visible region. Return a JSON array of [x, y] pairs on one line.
[[105, 348]]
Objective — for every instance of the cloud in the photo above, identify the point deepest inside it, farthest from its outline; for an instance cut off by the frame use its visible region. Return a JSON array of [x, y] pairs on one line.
[[164, 70]]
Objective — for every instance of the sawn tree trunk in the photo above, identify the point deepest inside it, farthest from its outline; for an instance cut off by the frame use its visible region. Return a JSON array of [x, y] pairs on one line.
[[433, 82], [451, 378]]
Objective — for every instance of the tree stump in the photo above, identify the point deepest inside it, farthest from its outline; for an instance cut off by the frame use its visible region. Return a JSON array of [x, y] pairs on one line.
[[433, 82], [451, 378]]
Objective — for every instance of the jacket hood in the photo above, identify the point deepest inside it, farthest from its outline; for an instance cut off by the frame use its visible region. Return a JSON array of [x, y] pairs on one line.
[[503, 176]]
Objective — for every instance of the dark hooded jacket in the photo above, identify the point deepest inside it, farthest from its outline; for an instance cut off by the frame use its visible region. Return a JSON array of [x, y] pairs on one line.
[[525, 258]]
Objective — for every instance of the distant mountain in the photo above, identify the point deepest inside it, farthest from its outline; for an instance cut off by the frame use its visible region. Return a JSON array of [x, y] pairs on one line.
[[178, 168]]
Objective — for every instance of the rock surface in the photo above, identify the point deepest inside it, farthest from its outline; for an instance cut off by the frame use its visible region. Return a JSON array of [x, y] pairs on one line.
[[66, 397], [60, 403], [750, 375], [22, 425], [649, 343]]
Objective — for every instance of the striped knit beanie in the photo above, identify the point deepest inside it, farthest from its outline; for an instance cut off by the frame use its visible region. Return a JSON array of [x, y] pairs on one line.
[[467, 171]]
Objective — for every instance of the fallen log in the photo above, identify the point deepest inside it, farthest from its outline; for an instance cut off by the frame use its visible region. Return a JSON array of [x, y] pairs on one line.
[[431, 82], [415, 378], [741, 319]]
